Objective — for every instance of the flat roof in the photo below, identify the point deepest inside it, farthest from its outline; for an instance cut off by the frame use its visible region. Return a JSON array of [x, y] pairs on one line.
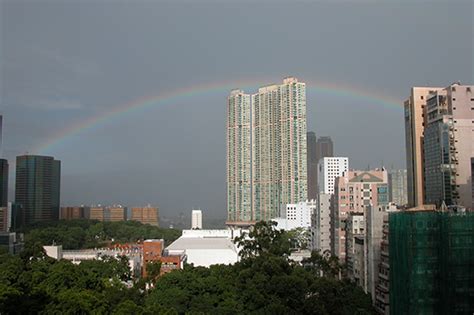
[[216, 243]]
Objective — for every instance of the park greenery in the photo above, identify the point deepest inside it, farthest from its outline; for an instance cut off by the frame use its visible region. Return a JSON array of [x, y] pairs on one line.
[[81, 234], [264, 281]]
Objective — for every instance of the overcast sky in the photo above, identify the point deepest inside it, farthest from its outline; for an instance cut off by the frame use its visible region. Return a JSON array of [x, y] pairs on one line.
[[64, 62]]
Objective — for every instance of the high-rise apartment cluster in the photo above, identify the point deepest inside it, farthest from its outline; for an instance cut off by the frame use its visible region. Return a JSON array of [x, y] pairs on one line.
[[436, 234], [266, 151], [439, 128]]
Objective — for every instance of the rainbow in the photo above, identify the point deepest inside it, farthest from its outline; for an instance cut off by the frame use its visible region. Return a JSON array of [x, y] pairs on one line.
[[168, 98]]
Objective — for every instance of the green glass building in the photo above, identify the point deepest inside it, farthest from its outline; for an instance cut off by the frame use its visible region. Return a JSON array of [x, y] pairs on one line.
[[37, 188], [3, 183], [431, 262]]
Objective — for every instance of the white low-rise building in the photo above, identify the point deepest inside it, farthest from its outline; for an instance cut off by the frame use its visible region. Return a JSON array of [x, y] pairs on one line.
[[207, 247], [54, 251], [134, 256], [296, 215]]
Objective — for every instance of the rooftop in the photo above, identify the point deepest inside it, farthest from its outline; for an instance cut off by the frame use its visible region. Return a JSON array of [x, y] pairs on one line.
[[214, 243]]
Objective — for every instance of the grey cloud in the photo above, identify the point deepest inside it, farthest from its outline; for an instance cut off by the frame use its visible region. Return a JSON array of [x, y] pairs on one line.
[[74, 64], [60, 104], [66, 62]]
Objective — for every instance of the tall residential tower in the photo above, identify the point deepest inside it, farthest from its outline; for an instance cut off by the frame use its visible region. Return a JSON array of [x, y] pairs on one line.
[[414, 132], [266, 151], [440, 145], [449, 146], [239, 161]]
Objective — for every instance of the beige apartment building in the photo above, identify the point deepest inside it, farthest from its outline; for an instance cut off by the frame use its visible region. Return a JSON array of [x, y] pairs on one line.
[[72, 213], [355, 191], [108, 214], [439, 128], [96, 213], [146, 215], [449, 146], [115, 214], [414, 131]]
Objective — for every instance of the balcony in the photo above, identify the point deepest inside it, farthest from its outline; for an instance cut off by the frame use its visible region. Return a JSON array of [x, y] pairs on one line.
[[383, 276]]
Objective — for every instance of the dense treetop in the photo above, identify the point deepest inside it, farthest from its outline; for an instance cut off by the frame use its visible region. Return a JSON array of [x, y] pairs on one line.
[[79, 234]]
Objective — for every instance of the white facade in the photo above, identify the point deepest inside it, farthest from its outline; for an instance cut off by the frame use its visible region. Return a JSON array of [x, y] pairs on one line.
[[206, 247], [296, 215], [321, 225], [329, 168], [134, 256], [54, 251], [196, 220]]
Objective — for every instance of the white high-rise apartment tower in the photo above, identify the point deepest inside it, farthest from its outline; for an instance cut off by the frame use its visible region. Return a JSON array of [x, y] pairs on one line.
[[329, 168], [196, 220], [275, 172]]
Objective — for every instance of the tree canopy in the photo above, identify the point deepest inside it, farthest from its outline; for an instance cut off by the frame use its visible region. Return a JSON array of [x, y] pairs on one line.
[[263, 281], [79, 234]]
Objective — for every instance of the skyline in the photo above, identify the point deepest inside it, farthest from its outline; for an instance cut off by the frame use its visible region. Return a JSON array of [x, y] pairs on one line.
[[56, 80]]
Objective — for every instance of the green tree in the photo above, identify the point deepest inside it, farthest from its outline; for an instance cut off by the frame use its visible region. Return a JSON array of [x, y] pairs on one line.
[[153, 270], [264, 238], [73, 301], [299, 238], [327, 265], [78, 234], [128, 308]]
